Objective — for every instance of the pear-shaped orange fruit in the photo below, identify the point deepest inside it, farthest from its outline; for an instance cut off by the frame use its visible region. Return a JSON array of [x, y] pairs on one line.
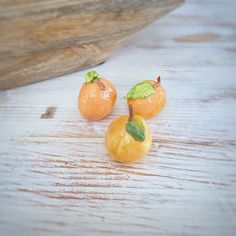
[[97, 97]]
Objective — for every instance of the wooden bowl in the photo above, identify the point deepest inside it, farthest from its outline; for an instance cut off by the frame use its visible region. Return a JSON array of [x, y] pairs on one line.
[[44, 39]]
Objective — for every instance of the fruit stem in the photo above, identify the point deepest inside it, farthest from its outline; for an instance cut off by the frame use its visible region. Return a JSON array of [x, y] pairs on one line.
[[99, 83], [131, 112], [158, 82], [90, 76]]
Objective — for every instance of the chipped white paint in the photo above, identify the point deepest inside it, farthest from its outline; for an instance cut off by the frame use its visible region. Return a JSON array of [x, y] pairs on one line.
[[55, 174]]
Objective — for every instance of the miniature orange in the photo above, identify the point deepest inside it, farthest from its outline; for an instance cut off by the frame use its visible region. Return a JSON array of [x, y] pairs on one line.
[[97, 97], [128, 138], [147, 98]]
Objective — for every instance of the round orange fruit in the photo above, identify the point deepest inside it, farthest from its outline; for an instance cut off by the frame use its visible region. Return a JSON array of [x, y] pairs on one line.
[[128, 138], [147, 98]]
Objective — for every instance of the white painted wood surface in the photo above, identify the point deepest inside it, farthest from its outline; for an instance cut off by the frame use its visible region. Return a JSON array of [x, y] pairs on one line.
[[56, 177]]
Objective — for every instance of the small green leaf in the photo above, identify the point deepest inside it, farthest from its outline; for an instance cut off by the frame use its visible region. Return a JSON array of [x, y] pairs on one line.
[[136, 129], [90, 76], [140, 90]]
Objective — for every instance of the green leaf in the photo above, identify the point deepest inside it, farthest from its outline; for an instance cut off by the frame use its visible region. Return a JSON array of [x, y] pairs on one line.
[[140, 90], [90, 76], [136, 129]]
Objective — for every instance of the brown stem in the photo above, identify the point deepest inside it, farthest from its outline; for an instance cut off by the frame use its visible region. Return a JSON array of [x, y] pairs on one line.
[[158, 82], [131, 112], [100, 84]]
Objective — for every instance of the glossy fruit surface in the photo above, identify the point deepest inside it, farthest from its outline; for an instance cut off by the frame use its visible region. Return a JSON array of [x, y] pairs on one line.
[[150, 105], [124, 147], [96, 98]]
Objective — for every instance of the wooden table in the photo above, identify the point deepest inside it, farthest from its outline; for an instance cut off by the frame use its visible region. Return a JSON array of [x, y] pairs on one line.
[[56, 177]]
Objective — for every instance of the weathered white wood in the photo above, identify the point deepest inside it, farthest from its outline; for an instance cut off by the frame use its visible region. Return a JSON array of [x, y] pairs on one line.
[[55, 174]]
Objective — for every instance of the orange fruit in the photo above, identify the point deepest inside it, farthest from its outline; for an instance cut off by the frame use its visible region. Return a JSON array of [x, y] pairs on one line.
[[97, 97], [128, 138], [147, 98]]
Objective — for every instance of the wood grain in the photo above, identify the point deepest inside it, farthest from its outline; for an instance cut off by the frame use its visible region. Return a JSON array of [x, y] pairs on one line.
[[45, 39], [56, 176]]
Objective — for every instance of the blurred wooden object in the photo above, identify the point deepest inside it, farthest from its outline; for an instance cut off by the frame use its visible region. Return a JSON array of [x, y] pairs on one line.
[[44, 39]]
